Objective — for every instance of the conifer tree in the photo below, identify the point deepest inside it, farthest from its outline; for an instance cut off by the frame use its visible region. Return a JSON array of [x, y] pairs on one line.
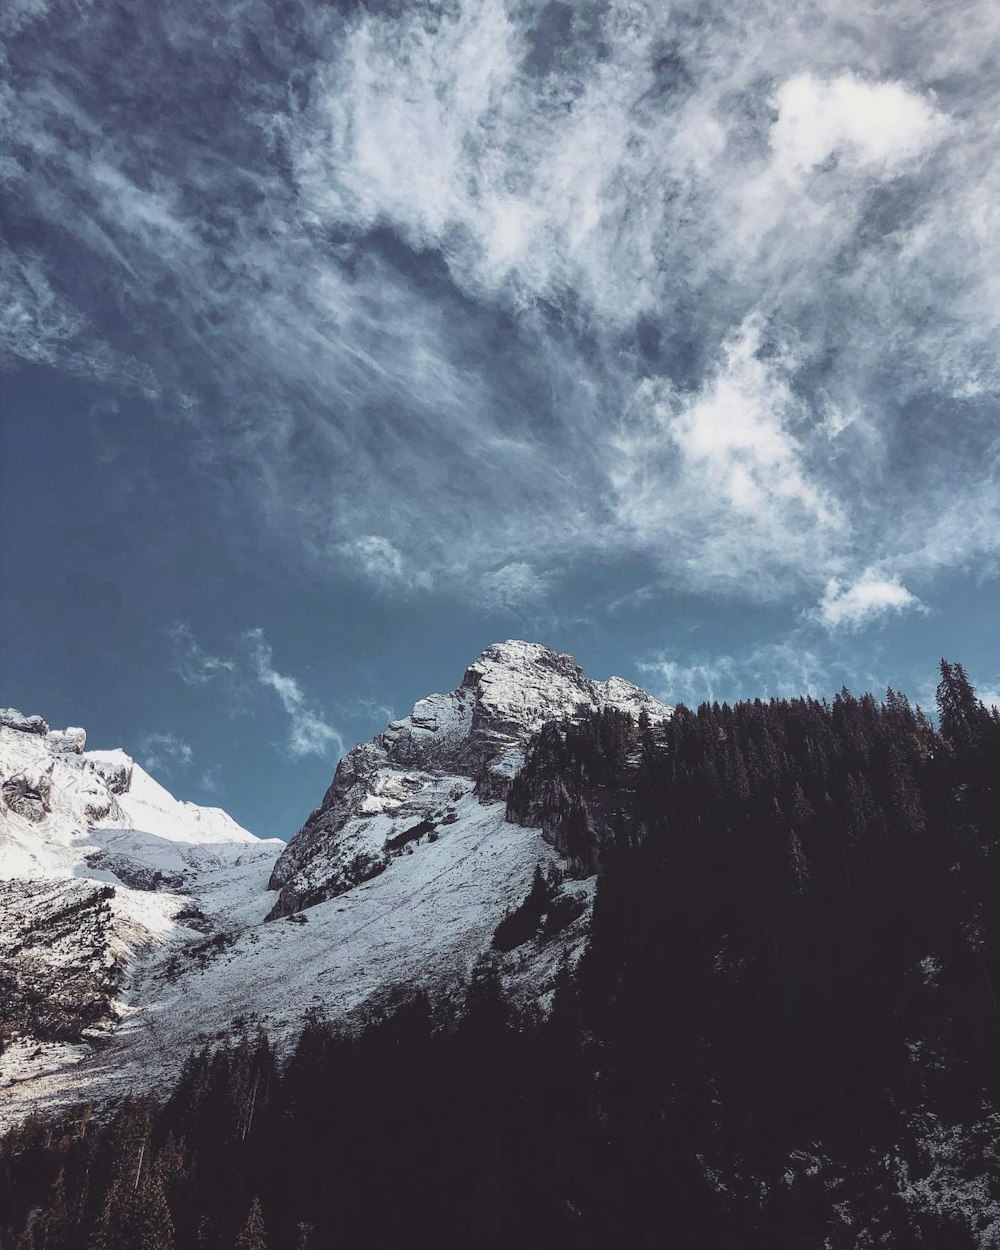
[[252, 1235]]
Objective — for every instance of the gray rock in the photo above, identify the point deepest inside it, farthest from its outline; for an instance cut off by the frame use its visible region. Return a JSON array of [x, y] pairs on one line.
[[478, 732], [69, 741], [27, 793], [13, 719]]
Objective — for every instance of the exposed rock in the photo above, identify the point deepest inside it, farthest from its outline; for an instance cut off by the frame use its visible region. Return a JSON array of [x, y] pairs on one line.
[[70, 741], [58, 973], [13, 719], [477, 732], [134, 873], [27, 792], [114, 768]]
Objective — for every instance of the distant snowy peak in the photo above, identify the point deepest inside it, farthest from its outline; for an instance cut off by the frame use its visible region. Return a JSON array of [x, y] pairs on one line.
[[475, 736], [103, 875], [66, 811]]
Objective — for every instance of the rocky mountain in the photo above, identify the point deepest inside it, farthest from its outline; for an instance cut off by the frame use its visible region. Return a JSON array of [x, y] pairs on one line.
[[101, 873], [134, 927], [404, 784]]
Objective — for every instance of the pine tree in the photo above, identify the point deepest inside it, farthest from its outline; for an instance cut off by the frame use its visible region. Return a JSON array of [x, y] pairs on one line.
[[486, 1010], [959, 711], [252, 1235]]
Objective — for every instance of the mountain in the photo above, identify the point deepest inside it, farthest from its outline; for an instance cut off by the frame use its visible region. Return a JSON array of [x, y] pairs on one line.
[[403, 786], [102, 873], [773, 1013], [136, 927]]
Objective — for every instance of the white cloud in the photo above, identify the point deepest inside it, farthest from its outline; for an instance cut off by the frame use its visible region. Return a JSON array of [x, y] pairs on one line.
[[309, 733], [161, 751], [787, 668], [868, 598], [513, 586], [660, 303], [40, 326], [699, 681], [209, 780], [382, 562], [379, 558], [194, 665], [882, 126], [721, 476]]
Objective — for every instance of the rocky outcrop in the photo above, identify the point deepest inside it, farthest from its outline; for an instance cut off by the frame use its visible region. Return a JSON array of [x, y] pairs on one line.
[[11, 718], [70, 741], [27, 793], [58, 970], [472, 738]]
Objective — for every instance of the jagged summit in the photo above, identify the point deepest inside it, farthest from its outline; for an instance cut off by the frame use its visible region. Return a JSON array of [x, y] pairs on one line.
[[470, 740]]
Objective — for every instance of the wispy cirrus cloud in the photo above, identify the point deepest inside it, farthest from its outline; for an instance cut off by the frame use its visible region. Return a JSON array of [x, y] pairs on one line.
[[498, 288], [165, 751], [309, 733], [193, 664], [784, 669], [251, 666]]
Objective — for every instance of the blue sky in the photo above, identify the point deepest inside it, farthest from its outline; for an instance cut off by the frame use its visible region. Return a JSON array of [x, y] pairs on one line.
[[338, 342]]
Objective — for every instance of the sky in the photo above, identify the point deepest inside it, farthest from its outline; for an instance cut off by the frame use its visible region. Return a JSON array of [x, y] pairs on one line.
[[339, 341]]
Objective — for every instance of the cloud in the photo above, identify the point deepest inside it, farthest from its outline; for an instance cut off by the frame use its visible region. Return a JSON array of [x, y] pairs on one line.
[[252, 664], [384, 564], [882, 126], [38, 326], [870, 597], [379, 558], [697, 682], [989, 696], [308, 733], [513, 586], [709, 288], [194, 665], [162, 752], [727, 456], [209, 780], [787, 668]]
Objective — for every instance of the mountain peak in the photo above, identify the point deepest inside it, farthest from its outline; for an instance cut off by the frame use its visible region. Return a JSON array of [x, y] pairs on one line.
[[471, 740]]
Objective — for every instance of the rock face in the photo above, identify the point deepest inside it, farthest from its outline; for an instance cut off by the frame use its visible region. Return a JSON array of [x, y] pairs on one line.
[[27, 793], [71, 741], [405, 782], [11, 718]]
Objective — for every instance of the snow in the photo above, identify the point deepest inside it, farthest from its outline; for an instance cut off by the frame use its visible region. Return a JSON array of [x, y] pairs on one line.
[[410, 853], [478, 731]]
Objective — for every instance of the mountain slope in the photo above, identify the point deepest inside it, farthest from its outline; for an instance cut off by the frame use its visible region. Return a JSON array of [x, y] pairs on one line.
[[399, 785], [400, 878], [782, 1034], [101, 872]]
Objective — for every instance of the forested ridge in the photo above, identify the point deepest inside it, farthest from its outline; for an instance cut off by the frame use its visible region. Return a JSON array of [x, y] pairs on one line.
[[784, 1031]]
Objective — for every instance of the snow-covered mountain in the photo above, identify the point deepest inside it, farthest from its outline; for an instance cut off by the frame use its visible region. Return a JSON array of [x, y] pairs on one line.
[[402, 786], [102, 872], [134, 927]]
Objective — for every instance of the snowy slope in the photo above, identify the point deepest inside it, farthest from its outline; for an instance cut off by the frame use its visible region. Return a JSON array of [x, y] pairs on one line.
[[388, 786], [101, 870], [398, 879]]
